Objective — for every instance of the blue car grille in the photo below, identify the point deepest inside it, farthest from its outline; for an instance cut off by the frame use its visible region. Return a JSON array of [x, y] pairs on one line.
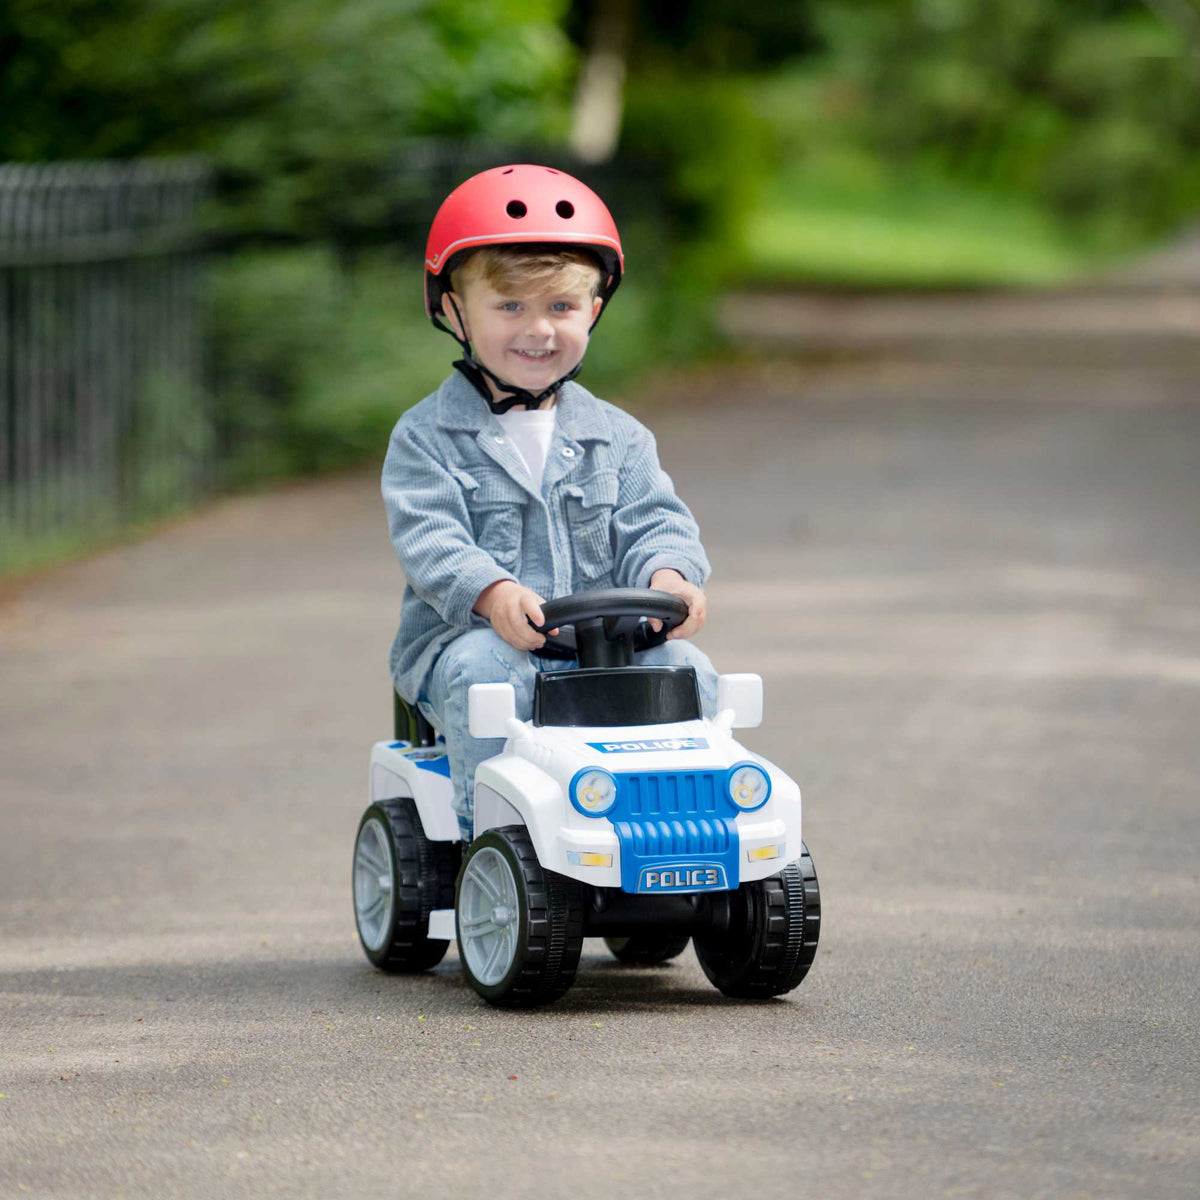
[[669, 817], [650, 839], [672, 793]]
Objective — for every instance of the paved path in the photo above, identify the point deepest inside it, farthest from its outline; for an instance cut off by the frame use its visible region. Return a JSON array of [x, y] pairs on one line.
[[1111, 327], [1144, 313], [975, 597]]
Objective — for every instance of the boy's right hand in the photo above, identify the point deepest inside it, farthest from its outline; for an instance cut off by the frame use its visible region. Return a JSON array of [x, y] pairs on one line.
[[510, 607]]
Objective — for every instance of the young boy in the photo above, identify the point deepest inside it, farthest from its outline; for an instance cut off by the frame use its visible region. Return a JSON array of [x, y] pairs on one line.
[[511, 483]]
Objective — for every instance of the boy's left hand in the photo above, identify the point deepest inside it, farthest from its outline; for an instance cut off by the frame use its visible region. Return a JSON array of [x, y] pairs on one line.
[[668, 580]]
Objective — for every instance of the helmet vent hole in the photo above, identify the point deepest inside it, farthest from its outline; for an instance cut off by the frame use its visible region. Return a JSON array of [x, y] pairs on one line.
[[507, 171], [516, 209], [565, 209]]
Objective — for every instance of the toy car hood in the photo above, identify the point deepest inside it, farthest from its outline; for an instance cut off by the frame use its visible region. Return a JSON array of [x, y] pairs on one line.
[[686, 745]]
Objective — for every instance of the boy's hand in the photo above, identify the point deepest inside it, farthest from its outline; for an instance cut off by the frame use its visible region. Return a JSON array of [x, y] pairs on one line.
[[668, 580], [508, 605]]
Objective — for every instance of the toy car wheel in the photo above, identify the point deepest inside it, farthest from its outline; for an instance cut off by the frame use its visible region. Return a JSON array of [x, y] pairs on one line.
[[400, 877], [648, 949], [771, 938], [520, 927]]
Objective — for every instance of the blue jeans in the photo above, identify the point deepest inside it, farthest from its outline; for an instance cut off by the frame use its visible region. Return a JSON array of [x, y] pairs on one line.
[[483, 656]]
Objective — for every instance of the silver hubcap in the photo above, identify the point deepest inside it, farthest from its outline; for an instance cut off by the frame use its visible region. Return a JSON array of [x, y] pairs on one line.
[[373, 897], [488, 911]]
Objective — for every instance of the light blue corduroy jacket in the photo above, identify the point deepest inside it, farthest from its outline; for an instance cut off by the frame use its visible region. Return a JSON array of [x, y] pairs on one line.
[[464, 513]]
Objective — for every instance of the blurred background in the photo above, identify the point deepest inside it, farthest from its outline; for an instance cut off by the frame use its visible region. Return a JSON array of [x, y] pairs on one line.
[[212, 212]]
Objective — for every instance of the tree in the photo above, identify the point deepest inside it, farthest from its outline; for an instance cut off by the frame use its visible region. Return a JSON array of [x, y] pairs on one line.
[[301, 106], [662, 37]]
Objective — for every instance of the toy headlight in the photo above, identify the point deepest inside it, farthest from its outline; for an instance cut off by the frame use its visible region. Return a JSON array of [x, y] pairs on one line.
[[749, 786], [593, 791]]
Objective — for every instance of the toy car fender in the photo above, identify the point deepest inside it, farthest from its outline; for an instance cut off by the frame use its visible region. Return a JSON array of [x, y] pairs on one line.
[[421, 773]]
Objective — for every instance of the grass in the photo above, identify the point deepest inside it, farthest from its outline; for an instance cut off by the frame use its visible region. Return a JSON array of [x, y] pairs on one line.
[[22, 553], [835, 212], [836, 224]]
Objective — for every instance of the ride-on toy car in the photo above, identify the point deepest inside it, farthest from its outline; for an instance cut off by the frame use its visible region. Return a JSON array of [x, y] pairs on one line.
[[617, 811]]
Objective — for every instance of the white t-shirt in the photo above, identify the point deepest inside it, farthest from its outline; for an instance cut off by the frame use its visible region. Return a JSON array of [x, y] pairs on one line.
[[531, 433]]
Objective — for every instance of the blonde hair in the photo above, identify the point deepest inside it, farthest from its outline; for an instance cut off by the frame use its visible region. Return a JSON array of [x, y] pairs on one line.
[[526, 269]]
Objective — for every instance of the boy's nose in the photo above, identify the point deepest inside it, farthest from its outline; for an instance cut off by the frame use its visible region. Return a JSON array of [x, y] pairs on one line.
[[541, 325]]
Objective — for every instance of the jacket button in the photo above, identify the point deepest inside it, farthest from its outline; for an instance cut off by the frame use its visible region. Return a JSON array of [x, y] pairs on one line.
[[499, 438], [568, 452]]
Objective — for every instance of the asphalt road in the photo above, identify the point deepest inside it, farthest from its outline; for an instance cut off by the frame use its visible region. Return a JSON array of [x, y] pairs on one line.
[[975, 598]]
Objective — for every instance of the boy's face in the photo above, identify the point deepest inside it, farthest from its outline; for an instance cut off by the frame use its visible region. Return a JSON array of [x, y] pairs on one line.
[[528, 340]]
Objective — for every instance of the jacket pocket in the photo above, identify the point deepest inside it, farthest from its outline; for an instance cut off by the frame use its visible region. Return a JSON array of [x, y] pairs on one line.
[[496, 503], [589, 514]]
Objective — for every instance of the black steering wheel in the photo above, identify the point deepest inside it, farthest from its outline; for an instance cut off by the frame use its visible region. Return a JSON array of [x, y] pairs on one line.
[[605, 628]]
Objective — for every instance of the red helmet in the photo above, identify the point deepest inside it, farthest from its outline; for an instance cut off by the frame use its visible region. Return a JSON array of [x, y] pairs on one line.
[[521, 203]]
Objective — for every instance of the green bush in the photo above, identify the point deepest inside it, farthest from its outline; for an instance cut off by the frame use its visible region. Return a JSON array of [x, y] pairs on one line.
[[1091, 108], [300, 105], [841, 211], [313, 363], [713, 151]]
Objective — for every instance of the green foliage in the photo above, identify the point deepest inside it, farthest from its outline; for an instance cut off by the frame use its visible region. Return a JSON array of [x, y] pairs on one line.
[[713, 151], [712, 37], [300, 105], [837, 211], [1091, 108], [313, 364], [838, 220], [730, 36]]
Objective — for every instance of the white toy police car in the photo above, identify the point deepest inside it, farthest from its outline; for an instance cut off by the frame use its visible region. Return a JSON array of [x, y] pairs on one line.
[[617, 811]]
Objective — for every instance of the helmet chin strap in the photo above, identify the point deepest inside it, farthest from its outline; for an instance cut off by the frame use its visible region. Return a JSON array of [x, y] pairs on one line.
[[478, 374]]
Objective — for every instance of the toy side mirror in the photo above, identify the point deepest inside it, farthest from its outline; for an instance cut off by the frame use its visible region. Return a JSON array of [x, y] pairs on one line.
[[743, 695], [490, 706]]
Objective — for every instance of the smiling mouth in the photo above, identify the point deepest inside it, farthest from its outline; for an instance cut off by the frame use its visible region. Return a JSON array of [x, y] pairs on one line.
[[534, 355]]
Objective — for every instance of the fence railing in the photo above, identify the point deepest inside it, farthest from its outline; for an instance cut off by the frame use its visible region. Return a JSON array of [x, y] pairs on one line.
[[103, 416]]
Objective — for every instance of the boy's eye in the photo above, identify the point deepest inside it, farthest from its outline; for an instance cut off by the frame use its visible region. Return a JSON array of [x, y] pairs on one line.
[[562, 306], [510, 305]]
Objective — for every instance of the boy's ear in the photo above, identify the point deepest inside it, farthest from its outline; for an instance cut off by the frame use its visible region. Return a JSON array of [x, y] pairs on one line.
[[597, 305], [451, 311]]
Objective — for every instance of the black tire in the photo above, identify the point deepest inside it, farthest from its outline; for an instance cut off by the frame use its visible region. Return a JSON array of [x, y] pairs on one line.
[[772, 936], [648, 949], [422, 876], [546, 943]]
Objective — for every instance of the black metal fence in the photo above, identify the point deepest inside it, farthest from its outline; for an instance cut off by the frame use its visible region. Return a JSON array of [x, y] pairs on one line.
[[103, 413]]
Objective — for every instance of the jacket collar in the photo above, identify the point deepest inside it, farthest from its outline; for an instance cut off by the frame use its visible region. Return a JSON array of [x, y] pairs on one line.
[[581, 416]]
